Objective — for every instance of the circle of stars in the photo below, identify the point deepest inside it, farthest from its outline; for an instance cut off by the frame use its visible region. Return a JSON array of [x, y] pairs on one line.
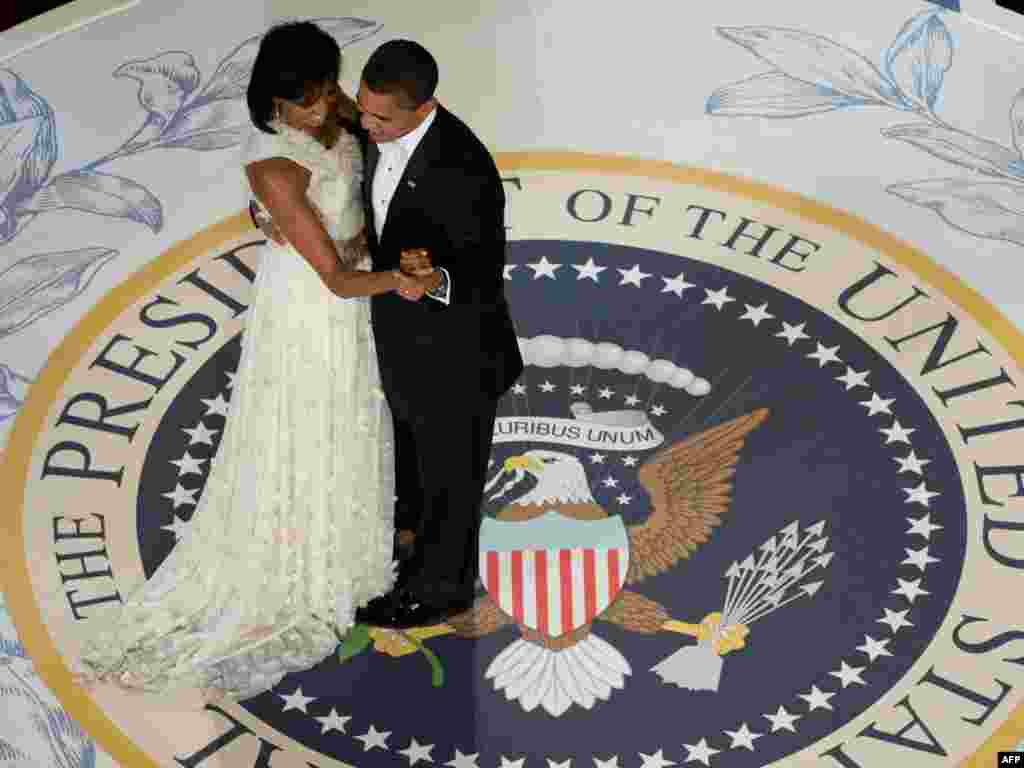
[[850, 672], [200, 439], [909, 585]]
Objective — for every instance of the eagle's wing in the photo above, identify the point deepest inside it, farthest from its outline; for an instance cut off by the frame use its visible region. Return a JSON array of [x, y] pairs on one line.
[[689, 485]]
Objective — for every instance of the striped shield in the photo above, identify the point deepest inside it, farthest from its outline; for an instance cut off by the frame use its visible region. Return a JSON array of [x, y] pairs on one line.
[[554, 574]]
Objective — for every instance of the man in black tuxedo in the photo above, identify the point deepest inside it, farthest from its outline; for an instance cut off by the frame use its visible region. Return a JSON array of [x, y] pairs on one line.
[[434, 207]]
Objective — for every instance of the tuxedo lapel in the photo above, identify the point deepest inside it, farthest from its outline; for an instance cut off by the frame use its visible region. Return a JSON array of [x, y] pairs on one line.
[[369, 171], [419, 164]]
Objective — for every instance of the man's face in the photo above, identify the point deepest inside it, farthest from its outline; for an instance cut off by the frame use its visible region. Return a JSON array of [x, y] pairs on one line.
[[384, 118]]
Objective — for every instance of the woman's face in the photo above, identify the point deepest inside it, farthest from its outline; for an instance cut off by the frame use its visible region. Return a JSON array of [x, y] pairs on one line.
[[311, 112]]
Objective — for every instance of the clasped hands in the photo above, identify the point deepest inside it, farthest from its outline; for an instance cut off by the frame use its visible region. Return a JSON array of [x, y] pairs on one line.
[[416, 274]]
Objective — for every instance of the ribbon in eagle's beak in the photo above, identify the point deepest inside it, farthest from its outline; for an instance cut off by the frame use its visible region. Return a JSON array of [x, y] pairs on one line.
[[524, 462], [517, 466]]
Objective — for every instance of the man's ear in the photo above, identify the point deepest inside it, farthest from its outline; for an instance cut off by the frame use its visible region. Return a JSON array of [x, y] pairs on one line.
[[424, 109]]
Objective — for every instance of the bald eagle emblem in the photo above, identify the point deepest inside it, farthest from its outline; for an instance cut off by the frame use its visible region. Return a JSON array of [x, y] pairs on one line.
[[554, 563]]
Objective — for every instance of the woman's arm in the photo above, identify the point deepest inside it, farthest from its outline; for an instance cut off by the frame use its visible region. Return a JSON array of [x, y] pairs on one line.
[[280, 186]]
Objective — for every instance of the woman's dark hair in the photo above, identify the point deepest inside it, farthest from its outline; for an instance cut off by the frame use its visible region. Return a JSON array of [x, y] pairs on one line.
[[404, 68], [293, 59]]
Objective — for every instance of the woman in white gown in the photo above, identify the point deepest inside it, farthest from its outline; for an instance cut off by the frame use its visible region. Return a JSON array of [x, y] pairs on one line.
[[294, 528]]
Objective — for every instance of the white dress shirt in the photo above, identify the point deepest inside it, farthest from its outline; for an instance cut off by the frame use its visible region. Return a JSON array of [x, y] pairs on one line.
[[394, 157]]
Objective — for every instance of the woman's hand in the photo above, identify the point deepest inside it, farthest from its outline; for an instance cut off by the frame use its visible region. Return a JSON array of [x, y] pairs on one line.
[[409, 288], [263, 220]]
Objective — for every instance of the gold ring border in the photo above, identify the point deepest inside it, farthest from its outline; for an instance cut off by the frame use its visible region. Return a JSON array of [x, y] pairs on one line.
[[15, 576]]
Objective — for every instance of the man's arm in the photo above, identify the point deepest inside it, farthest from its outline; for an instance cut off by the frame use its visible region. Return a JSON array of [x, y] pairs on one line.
[[472, 223]]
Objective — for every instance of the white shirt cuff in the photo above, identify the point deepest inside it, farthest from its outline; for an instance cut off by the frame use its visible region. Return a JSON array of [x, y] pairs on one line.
[[443, 292]]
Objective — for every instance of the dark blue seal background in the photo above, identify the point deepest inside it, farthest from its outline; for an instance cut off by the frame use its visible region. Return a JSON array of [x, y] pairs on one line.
[[818, 456]]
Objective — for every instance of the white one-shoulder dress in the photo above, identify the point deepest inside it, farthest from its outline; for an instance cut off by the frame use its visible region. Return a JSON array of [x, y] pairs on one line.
[[294, 527]]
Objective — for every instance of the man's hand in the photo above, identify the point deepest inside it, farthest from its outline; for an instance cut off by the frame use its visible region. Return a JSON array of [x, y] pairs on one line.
[[416, 261]]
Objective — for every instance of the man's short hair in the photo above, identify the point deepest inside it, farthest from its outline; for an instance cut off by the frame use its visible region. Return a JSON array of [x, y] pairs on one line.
[[404, 68]]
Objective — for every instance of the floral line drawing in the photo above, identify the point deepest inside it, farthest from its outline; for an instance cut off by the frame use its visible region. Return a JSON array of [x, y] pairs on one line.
[[812, 74], [40, 732], [179, 111], [13, 387]]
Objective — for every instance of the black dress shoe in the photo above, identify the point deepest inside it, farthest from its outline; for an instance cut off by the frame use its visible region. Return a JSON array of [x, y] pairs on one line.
[[403, 552], [379, 612], [413, 613]]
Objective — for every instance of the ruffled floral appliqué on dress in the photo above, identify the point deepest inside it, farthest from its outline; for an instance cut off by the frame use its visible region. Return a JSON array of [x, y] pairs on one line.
[[294, 528]]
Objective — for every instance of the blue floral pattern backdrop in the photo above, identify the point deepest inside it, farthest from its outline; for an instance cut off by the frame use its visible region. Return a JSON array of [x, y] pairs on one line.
[[179, 107], [811, 73]]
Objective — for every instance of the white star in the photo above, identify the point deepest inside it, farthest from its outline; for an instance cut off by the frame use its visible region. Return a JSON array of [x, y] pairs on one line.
[[200, 434], [895, 619], [597, 458], [610, 482], [374, 738], [611, 762], [919, 495], [577, 389], [657, 760], [547, 386], [923, 526], [910, 589], [911, 463], [744, 737], [181, 495], [700, 752], [518, 389], [919, 557], [792, 333], [623, 498], [629, 461], [817, 699], [632, 400], [676, 285], [231, 379], [506, 763], [897, 433], [296, 701], [854, 378], [756, 314], [874, 648], [416, 752], [333, 722], [177, 527], [658, 410], [849, 675], [218, 406], [508, 271], [606, 393], [825, 355], [589, 270], [877, 405], [782, 720], [543, 268], [188, 466], [633, 276], [718, 298], [463, 761]]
